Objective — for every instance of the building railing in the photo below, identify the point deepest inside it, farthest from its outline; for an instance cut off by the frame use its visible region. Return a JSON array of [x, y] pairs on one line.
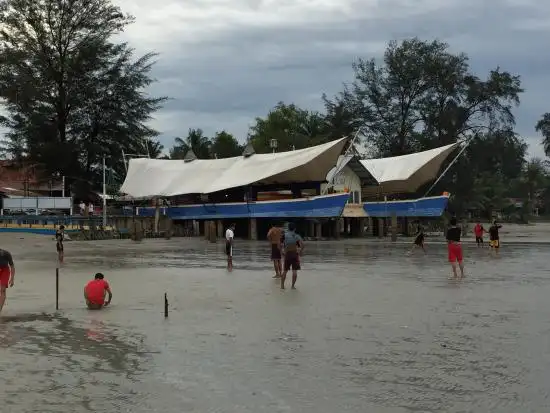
[[54, 221]]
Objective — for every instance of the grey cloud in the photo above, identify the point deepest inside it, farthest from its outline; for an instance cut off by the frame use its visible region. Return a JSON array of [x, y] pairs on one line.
[[244, 72]]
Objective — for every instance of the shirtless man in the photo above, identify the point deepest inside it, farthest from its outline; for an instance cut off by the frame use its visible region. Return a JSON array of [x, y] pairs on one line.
[[7, 275], [274, 236]]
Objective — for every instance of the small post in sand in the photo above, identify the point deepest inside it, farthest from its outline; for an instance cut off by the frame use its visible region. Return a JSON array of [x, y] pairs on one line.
[[165, 305], [57, 288]]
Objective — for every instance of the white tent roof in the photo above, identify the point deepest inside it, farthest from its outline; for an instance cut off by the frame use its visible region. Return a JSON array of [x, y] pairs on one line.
[[407, 173], [156, 177]]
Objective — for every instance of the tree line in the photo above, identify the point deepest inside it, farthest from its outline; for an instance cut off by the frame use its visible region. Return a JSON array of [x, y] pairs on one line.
[[73, 95]]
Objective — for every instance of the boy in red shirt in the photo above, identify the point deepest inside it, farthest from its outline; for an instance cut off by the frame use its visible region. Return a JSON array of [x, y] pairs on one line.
[[478, 231], [95, 292]]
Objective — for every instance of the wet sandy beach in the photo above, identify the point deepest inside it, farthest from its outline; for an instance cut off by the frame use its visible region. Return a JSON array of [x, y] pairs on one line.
[[369, 329]]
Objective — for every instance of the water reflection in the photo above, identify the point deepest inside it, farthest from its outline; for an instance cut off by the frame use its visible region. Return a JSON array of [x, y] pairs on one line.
[[369, 329], [64, 363]]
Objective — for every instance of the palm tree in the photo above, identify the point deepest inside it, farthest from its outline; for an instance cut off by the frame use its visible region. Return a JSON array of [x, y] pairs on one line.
[[195, 141], [154, 148]]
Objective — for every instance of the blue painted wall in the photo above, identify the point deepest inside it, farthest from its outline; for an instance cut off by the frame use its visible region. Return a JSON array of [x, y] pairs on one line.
[[319, 207], [423, 207]]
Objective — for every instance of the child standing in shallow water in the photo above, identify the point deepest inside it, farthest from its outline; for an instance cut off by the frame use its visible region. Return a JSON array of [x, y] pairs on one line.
[[455, 248], [494, 238]]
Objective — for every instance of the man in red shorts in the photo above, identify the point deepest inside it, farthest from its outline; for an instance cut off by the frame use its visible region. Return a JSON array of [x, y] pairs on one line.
[[95, 292], [455, 248], [7, 275]]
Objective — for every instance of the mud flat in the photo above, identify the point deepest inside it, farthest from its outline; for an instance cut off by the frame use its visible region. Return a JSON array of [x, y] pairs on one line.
[[368, 330]]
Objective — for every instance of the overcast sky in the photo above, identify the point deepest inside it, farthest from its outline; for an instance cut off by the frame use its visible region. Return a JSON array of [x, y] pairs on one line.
[[224, 62]]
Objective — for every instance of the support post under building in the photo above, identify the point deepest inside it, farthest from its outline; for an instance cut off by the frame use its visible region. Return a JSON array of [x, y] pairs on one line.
[[252, 229], [318, 230], [394, 227], [381, 225]]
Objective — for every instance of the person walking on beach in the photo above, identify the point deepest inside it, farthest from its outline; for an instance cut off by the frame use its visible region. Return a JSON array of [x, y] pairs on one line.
[[293, 246], [7, 275], [455, 248], [419, 238], [95, 292], [494, 238], [59, 238], [478, 232], [229, 236], [274, 236]]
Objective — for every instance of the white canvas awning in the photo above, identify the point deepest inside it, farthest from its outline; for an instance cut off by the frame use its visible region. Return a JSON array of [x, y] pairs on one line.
[[407, 173], [164, 178]]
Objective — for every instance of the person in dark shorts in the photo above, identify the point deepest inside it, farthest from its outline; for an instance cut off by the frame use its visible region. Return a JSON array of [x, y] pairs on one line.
[[418, 238], [59, 238], [293, 246], [494, 237], [274, 236], [478, 232], [455, 248], [7, 275], [229, 236]]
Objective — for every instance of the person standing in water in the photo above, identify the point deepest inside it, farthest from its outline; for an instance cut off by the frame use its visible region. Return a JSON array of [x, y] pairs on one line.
[[494, 238], [455, 248], [95, 292], [478, 232], [7, 275], [419, 238], [293, 246], [59, 238], [229, 236], [274, 236]]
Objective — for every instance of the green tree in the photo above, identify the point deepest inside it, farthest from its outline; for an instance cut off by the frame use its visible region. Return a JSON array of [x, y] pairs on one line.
[[535, 180], [195, 141], [291, 126], [486, 171], [71, 96], [421, 96], [154, 149], [224, 145], [543, 126]]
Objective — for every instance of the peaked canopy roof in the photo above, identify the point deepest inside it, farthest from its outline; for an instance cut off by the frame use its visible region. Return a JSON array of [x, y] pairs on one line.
[[407, 173], [162, 178]]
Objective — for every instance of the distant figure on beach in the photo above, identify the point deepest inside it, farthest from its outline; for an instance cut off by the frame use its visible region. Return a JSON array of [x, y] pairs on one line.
[[293, 246], [229, 236], [419, 238], [95, 292], [59, 238], [478, 232], [274, 236], [455, 248], [7, 275], [494, 238]]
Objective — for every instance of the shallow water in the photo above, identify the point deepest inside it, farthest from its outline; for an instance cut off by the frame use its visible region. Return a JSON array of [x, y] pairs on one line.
[[369, 329]]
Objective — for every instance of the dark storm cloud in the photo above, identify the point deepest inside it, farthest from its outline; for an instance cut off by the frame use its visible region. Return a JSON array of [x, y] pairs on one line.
[[230, 75]]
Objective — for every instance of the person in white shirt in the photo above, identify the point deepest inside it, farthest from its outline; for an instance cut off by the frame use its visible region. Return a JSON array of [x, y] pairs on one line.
[[229, 235], [90, 209], [82, 207]]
